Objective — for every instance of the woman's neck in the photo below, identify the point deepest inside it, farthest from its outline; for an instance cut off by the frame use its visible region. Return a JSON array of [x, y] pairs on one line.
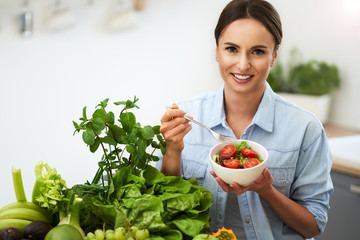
[[240, 109]]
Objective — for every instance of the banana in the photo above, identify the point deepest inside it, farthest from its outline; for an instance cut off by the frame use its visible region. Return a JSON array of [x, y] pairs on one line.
[[23, 213], [19, 224], [29, 205]]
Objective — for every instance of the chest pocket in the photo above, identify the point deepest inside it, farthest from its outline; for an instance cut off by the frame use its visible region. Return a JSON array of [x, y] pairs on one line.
[[283, 178], [194, 169]]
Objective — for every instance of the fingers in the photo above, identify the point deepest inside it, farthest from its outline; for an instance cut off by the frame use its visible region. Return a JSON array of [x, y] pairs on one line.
[[263, 183], [266, 173], [173, 124], [174, 127], [239, 189], [265, 177], [171, 113], [170, 121], [175, 132], [268, 178], [228, 188]]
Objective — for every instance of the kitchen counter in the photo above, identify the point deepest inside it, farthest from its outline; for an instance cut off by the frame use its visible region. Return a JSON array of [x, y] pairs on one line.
[[345, 148], [345, 166], [333, 131]]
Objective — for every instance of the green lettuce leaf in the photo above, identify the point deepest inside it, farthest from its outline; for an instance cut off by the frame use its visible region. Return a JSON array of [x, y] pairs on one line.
[[170, 207]]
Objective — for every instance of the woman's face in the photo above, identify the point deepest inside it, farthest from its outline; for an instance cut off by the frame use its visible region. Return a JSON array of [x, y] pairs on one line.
[[245, 53]]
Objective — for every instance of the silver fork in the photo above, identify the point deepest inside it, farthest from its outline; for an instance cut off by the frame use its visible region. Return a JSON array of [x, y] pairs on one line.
[[217, 136]]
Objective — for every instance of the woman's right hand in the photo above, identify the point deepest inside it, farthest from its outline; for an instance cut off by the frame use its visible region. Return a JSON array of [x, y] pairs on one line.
[[174, 127]]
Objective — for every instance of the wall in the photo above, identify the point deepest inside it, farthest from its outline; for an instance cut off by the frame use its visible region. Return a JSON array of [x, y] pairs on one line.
[[329, 31], [46, 80]]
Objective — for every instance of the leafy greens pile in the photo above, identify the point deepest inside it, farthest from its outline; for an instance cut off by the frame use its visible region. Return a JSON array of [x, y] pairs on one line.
[[134, 192]]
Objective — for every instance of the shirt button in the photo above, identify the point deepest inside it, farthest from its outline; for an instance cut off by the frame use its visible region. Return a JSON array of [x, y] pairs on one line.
[[247, 221], [220, 216], [284, 183]]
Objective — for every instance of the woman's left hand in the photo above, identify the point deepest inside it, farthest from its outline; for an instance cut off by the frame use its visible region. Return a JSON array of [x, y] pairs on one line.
[[260, 185]]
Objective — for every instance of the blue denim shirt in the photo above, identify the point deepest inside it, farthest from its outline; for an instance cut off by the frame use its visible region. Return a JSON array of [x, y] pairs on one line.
[[299, 160]]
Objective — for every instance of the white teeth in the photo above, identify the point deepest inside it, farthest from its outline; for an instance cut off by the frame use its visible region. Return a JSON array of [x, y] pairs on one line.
[[242, 77]]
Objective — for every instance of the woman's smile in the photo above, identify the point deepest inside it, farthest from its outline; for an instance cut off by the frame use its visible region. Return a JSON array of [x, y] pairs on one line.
[[242, 78]]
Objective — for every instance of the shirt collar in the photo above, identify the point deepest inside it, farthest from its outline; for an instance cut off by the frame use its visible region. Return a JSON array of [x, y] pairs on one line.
[[264, 117], [217, 107]]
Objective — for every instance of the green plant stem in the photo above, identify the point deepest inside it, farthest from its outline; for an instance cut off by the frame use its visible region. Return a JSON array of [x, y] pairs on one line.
[[36, 189], [18, 185], [73, 217], [152, 153], [97, 176], [116, 150], [39, 182], [122, 111], [123, 151], [106, 158], [117, 154]]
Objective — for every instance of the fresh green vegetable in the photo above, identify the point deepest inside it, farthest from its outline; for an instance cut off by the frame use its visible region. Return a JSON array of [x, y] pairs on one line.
[[21, 213], [123, 141], [64, 232], [47, 191], [69, 225], [133, 192], [156, 202], [18, 185]]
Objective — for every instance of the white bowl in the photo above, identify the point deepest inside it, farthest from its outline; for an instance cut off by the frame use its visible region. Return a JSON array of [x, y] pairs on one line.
[[243, 176]]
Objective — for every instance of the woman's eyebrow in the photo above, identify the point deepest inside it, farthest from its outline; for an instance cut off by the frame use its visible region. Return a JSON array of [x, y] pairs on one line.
[[259, 46], [232, 44], [237, 46]]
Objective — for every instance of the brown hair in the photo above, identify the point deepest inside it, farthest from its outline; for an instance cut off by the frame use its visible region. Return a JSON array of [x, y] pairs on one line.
[[260, 10]]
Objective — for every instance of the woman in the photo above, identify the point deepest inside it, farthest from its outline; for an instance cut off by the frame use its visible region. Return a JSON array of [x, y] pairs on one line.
[[290, 200]]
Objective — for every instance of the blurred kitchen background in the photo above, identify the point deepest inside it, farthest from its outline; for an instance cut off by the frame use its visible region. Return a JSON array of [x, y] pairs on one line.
[[57, 56]]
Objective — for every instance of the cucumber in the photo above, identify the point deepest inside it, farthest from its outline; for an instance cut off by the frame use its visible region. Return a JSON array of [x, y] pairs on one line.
[[64, 232]]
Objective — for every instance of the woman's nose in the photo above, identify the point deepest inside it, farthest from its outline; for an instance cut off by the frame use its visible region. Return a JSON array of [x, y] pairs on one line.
[[243, 62]]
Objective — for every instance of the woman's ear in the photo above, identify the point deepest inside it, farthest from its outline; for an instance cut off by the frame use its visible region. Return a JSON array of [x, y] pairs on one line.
[[216, 54], [275, 53]]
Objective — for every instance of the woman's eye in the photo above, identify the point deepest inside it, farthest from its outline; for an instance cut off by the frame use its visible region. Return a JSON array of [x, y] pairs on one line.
[[231, 49], [258, 51]]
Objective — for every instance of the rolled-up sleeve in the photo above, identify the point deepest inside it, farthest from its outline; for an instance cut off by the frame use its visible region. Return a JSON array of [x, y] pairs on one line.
[[313, 186]]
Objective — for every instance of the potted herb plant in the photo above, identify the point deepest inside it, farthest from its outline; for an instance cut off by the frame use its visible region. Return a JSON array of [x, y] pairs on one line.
[[308, 84]]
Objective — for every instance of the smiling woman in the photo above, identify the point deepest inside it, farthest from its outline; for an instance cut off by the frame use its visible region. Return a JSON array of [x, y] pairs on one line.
[[46, 79], [283, 202]]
